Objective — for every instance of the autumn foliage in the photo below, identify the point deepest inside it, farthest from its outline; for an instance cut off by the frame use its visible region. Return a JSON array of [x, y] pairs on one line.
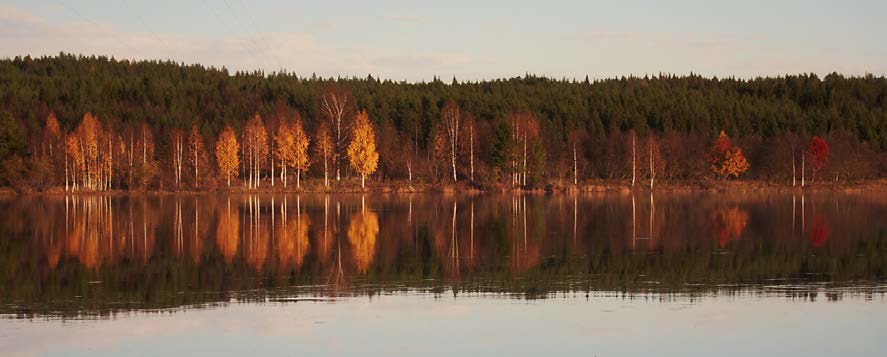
[[362, 150], [818, 154], [226, 154], [726, 159]]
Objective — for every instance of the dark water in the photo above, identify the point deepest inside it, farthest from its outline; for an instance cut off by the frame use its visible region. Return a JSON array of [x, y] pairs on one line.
[[672, 273]]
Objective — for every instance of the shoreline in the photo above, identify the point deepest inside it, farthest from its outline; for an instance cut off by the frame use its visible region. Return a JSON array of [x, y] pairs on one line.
[[397, 187]]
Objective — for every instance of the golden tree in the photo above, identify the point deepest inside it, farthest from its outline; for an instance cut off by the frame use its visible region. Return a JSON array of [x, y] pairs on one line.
[[362, 149], [292, 147], [72, 151], [255, 148], [88, 133], [324, 149], [284, 147], [226, 153], [299, 158]]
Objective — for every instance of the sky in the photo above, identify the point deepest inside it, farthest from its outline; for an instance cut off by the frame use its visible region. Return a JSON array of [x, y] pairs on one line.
[[470, 40]]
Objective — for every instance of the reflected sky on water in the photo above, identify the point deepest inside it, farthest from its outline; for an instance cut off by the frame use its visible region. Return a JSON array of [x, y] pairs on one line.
[[610, 272]]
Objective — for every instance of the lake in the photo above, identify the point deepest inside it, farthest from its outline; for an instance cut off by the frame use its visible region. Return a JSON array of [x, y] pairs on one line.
[[672, 273]]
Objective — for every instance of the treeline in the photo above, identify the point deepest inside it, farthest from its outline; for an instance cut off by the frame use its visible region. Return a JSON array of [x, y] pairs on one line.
[[101, 123]]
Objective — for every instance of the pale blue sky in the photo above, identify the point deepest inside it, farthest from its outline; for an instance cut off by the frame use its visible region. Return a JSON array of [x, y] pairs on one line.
[[416, 40]]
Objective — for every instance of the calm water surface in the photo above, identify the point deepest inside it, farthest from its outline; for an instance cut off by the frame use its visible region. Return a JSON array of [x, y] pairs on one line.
[[431, 274]]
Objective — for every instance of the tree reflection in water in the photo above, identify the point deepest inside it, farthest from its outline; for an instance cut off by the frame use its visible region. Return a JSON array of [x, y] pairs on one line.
[[164, 251]]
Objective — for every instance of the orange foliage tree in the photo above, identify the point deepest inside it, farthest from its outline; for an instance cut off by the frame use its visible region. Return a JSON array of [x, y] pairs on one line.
[[362, 149], [255, 148], [727, 160], [292, 147], [226, 153]]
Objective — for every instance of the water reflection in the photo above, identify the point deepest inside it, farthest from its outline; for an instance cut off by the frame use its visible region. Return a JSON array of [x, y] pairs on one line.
[[106, 253]]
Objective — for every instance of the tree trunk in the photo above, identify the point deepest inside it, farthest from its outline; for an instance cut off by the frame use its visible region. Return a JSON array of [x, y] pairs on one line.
[[524, 176], [195, 168], [633, 159], [794, 177], [362, 179], [66, 171], [326, 176], [575, 167], [272, 166], [453, 156], [471, 150], [298, 178], [652, 169], [803, 163]]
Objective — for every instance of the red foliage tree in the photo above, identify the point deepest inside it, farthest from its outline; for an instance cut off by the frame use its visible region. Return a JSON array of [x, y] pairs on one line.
[[817, 153]]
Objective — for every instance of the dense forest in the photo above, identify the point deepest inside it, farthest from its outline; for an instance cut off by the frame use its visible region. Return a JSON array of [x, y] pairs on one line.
[[100, 123]]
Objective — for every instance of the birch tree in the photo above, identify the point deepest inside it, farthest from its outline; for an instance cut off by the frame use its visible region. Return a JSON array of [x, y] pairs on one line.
[[334, 104], [654, 158], [178, 155], [255, 149], [362, 149], [324, 149], [196, 151], [226, 153], [452, 118]]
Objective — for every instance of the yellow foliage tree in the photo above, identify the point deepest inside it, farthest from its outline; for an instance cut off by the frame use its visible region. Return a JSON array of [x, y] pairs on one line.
[[226, 153], [299, 158], [283, 149], [89, 131], [255, 148], [292, 147], [362, 149], [72, 151]]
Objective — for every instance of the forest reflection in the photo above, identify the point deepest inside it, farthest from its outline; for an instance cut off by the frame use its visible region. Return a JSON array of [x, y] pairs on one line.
[[98, 253]]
